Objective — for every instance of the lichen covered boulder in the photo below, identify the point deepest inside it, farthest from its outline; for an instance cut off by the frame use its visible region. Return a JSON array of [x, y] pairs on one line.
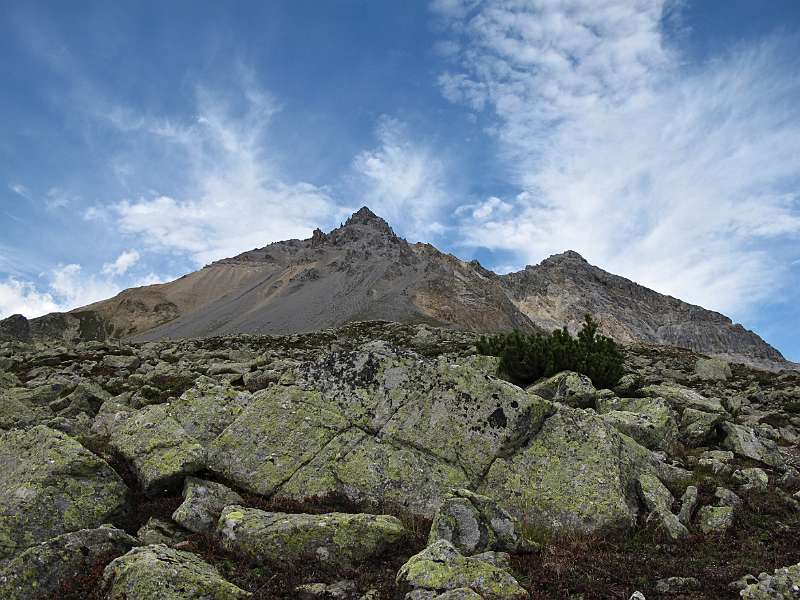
[[339, 539], [649, 421], [658, 500], [567, 387], [697, 427], [203, 503], [715, 519], [158, 449], [744, 442], [681, 397], [49, 485], [280, 431], [39, 572], [207, 408], [577, 473], [783, 584], [157, 572], [441, 568], [475, 524]]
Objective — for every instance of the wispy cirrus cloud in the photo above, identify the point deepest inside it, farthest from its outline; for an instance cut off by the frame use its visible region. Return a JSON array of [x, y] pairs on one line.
[[402, 180], [238, 199], [679, 176]]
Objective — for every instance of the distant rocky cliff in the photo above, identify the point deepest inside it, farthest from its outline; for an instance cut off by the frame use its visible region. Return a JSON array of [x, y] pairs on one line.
[[362, 270]]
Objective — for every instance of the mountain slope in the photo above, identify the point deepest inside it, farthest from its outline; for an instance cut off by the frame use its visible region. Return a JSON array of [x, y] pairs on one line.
[[363, 271], [359, 271]]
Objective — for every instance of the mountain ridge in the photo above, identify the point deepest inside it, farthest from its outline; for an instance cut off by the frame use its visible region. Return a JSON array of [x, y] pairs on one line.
[[362, 271]]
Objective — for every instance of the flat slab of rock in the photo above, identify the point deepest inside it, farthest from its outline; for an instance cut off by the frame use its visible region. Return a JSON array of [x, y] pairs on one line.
[[441, 568], [682, 397], [40, 571], [160, 573], [49, 485], [158, 449], [335, 538]]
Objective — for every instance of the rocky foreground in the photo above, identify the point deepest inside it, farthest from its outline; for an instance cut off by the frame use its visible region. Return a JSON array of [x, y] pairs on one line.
[[388, 461]]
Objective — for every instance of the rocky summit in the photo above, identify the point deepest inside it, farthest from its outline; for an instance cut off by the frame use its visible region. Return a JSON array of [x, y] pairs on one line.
[[363, 270], [385, 460]]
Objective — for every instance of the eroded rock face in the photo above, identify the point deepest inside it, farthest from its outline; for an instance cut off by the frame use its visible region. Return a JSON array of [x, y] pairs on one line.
[[339, 539], [39, 572], [49, 485], [157, 572]]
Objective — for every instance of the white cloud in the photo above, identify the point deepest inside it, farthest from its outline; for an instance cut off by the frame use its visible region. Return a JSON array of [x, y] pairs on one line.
[[58, 198], [678, 176], [124, 261], [20, 190], [69, 286], [74, 288], [240, 200], [402, 180], [20, 297]]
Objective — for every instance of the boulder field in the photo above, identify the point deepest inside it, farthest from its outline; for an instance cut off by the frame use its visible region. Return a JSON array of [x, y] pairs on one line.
[[382, 460]]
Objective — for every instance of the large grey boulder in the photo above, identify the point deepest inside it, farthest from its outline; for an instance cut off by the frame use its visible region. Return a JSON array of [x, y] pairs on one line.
[[40, 572], [157, 572], [475, 524], [744, 442], [339, 539], [49, 485], [712, 369], [203, 503], [377, 426], [441, 568], [207, 408]]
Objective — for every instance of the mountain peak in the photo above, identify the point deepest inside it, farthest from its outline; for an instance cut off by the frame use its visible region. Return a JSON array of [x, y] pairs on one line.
[[365, 217], [567, 255]]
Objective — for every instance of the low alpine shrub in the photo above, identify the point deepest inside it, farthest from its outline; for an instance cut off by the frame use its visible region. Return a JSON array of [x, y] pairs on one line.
[[526, 357]]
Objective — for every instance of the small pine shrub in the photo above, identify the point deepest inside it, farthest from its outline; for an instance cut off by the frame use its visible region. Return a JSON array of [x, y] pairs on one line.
[[524, 358]]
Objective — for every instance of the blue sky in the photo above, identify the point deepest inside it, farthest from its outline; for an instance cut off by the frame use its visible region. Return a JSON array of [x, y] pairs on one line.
[[661, 139]]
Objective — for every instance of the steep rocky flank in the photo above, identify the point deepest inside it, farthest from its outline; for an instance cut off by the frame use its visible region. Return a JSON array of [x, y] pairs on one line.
[[381, 461], [563, 288], [362, 270]]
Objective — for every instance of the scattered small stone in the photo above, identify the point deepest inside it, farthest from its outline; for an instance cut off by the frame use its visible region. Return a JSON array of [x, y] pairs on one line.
[[677, 585]]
